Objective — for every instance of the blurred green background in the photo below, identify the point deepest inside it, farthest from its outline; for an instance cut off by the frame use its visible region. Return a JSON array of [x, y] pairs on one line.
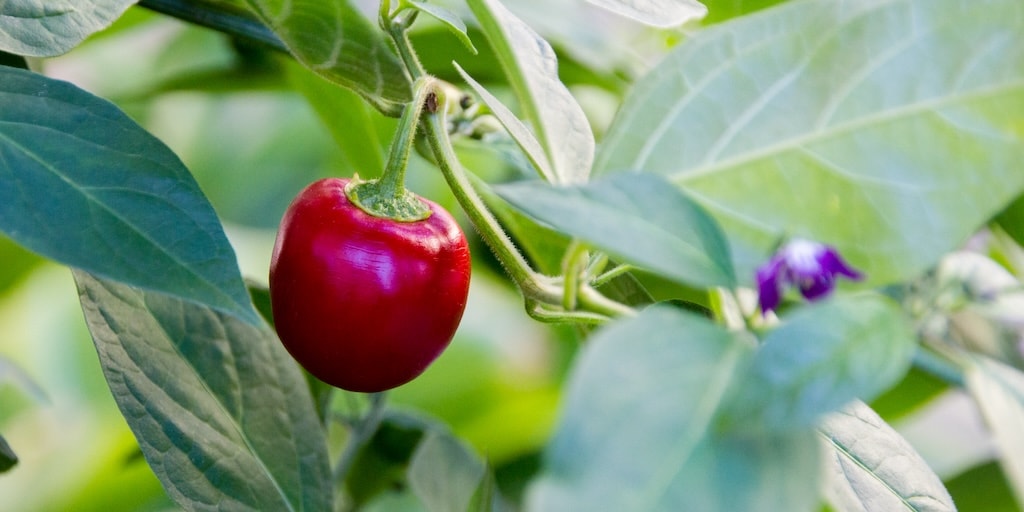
[[251, 126]]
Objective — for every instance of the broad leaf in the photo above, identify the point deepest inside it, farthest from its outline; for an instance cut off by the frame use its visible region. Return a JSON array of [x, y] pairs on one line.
[[656, 13], [890, 128], [637, 428], [46, 28], [999, 392], [81, 183], [220, 410], [444, 474], [822, 357], [337, 42], [639, 218], [532, 69], [874, 469]]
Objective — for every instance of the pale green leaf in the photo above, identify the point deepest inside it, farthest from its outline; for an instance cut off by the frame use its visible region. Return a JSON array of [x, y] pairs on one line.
[[532, 69], [639, 218], [637, 429], [46, 28], [337, 42], [998, 390], [444, 474], [656, 13], [81, 183], [874, 469], [516, 128], [820, 358], [221, 411], [890, 128]]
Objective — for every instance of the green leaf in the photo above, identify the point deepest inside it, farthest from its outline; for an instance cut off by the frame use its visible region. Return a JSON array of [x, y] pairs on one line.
[[81, 183], [47, 28], [639, 218], [890, 128], [636, 429], [532, 69], [656, 13], [822, 357], [12, 60], [449, 19], [334, 40], [998, 390], [220, 410], [444, 474], [874, 469], [8, 459], [516, 129]]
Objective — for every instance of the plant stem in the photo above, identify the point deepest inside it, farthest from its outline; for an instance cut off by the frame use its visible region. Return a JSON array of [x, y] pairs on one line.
[[387, 197], [536, 288], [571, 263], [361, 433], [393, 179], [593, 300]]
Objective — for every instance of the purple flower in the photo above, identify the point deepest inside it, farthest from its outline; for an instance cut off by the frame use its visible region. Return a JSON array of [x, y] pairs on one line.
[[810, 266]]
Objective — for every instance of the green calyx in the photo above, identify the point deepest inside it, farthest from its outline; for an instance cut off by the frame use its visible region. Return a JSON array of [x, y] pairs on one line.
[[387, 197], [378, 199]]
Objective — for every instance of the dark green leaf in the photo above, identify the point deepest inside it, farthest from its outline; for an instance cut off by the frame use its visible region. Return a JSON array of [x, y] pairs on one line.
[[8, 459], [532, 68], [383, 461], [637, 428], [450, 20], [657, 13], [11, 60], [444, 474], [998, 390], [220, 410], [334, 40], [639, 218], [822, 357], [46, 28], [890, 128], [81, 183], [873, 469]]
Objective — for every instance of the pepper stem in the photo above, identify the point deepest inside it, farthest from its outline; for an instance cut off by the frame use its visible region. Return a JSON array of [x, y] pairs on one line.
[[387, 197]]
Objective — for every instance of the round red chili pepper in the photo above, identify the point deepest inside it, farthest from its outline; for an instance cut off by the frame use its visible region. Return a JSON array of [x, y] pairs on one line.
[[365, 303]]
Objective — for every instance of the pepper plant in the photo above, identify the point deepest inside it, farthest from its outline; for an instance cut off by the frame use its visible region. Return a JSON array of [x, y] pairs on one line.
[[763, 234]]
